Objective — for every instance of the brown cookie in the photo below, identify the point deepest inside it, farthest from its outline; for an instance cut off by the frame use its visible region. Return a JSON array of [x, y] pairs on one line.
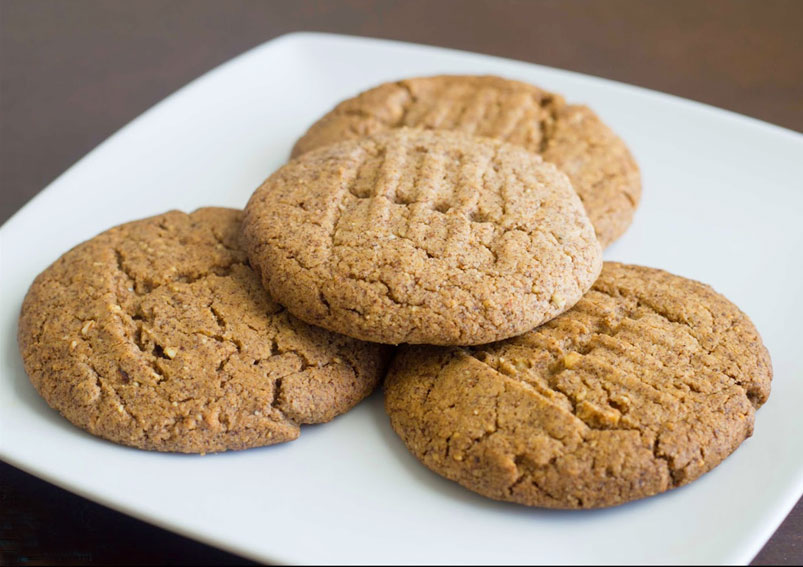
[[648, 382], [421, 236], [157, 334], [598, 163]]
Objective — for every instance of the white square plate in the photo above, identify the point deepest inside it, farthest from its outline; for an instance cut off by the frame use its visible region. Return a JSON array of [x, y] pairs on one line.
[[723, 200]]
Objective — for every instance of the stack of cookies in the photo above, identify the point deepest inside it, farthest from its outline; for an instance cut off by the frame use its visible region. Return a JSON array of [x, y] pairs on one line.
[[460, 217]]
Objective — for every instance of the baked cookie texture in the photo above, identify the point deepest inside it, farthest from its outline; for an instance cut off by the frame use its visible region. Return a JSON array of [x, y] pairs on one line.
[[157, 334], [415, 236], [648, 382], [598, 163]]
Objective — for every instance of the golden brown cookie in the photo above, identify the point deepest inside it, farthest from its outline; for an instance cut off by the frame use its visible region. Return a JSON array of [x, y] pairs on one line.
[[416, 236], [600, 166], [157, 334], [648, 382]]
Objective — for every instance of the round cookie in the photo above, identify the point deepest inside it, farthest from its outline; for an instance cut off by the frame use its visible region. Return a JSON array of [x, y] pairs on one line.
[[648, 382], [598, 163], [416, 236], [157, 334]]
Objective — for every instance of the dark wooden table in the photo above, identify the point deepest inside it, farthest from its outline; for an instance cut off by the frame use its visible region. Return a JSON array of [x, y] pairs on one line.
[[72, 73]]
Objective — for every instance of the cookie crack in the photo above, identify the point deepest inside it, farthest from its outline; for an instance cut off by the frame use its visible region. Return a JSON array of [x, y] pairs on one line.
[[149, 357], [345, 359], [143, 288], [529, 476], [100, 381], [220, 240], [412, 99], [278, 401], [277, 393], [669, 460], [123, 270], [548, 124]]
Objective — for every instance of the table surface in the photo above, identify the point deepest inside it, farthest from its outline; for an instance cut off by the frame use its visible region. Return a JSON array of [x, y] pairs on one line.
[[72, 73]]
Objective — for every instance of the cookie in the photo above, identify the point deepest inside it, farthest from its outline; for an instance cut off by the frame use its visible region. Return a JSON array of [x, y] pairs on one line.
[[416, 236], [600, 166], [157, 334], [648, 382]]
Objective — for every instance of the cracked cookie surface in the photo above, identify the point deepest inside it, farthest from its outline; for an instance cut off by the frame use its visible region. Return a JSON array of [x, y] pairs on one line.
[[648, 382], [416, 236], [598, 163], [157, 334]]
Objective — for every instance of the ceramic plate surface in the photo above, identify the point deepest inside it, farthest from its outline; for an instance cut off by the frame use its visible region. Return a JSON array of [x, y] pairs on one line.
[[722, 203]]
